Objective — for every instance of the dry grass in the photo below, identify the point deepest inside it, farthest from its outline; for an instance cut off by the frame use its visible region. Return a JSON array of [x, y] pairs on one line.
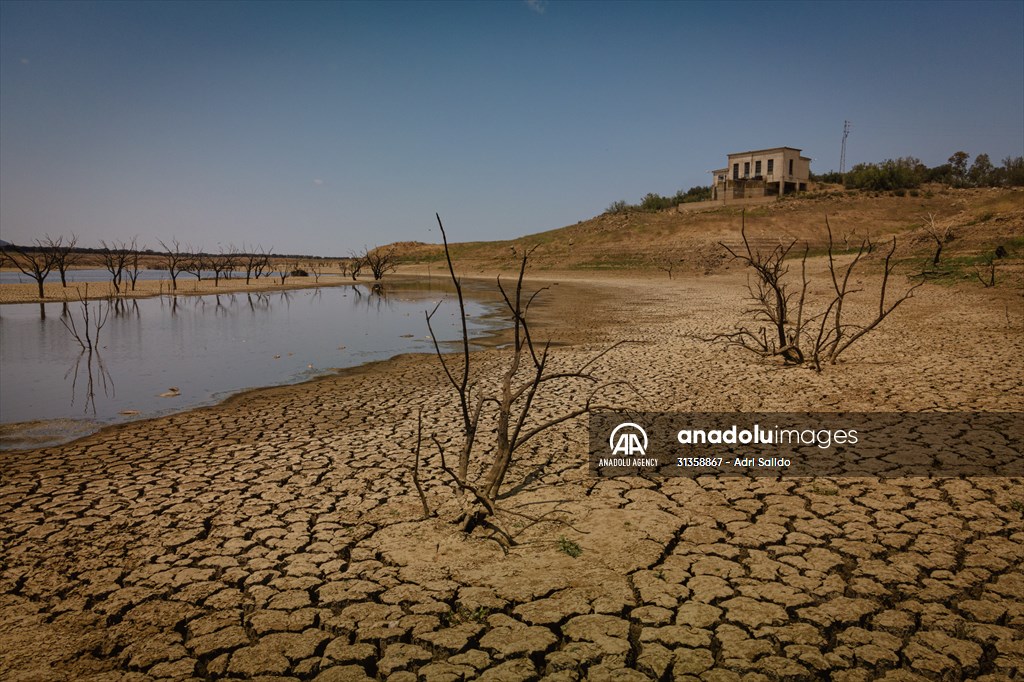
[[983, 218]]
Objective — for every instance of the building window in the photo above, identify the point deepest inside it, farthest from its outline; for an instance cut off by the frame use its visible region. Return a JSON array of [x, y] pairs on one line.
[[791, 166], [746, 169], [771, 166], [757, 169], [735, 171]]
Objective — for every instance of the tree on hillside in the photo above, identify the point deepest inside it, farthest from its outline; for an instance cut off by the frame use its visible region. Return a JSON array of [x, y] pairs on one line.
[[940, 234], [695, 193], [958, 164], [982, 171], [902, 173], [1013, 171], [943, 174], [666, 263], [619, 206]]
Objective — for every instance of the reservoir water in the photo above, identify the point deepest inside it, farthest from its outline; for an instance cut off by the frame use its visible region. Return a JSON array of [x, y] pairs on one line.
[[166, 354]]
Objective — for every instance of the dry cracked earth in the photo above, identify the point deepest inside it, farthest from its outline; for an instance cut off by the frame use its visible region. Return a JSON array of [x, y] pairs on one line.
[[279, 536]]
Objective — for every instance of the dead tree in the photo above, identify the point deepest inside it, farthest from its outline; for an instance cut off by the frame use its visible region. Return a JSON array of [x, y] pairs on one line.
[[36, 262], [316, 267], [133, 265], [89, 336], [792, 332], [772, 299], [939, 234], [509, 407], [221, 264], [64, 254], [255, 262], [835, 334], [356, 265], [174, 261], [231, 260], [115, 257], [380, 260], [666, 264], [989, 262], [263, 265], [196, 263]]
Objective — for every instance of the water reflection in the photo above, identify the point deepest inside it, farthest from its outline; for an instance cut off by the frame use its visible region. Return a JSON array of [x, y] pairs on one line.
[[86, 330], [93, 367], [124, 307], [205, 346]]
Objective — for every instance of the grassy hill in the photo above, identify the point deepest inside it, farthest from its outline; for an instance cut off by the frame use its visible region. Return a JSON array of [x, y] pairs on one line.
[[982, 219]]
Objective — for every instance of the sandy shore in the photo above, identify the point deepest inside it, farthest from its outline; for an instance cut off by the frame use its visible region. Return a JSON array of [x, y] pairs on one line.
[[277, 535], [187, 285]]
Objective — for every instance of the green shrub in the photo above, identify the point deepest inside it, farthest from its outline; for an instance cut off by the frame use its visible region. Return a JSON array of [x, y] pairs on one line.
[[891, 174], [656, 202], [831, 177], [697, 193], [567, 546]]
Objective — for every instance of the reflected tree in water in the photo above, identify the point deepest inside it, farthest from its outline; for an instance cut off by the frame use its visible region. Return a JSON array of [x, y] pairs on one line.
[[258, 301], [375, 296], [86, 331], [123, 307]]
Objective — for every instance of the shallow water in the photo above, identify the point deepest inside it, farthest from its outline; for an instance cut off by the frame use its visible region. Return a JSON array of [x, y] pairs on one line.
[[166, 354]]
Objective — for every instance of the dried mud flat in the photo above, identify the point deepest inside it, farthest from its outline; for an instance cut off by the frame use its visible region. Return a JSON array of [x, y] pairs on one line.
[[277, 536]]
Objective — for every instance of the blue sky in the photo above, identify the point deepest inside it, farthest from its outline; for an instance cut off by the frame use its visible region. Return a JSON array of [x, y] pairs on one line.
[[323, 127]]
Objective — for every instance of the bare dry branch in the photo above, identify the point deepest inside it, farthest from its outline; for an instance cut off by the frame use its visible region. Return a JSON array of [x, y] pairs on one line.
[[512, 402], [787, 334], [416, 464], [35, 261]]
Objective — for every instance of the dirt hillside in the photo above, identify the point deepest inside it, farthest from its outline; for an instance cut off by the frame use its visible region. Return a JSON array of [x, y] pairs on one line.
[[982, 220]]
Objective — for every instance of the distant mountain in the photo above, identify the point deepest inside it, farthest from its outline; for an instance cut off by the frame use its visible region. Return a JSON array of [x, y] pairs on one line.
[[3, 243]]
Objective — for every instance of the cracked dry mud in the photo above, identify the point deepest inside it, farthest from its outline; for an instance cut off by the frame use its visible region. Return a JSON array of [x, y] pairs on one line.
[[277, 536]]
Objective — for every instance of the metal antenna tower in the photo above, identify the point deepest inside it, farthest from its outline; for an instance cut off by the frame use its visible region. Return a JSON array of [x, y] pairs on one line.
[[842, 154]]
